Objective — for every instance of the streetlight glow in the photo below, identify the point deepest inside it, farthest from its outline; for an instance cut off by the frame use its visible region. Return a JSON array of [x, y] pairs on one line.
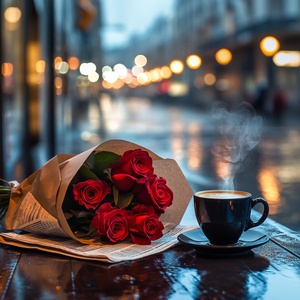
[[140, 60], [176, 66], [223, 56], [287, 59], [269, 45], [193, 61], [12, 14], [166, 72]]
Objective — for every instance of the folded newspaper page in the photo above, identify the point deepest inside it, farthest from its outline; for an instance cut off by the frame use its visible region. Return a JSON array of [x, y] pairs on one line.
[[109, 253]]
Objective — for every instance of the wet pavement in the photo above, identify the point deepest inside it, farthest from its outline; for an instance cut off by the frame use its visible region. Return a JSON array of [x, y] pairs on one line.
[[188, 135]]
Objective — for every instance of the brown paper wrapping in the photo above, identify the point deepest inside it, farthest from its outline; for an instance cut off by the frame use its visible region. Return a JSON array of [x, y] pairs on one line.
[[49, 185]]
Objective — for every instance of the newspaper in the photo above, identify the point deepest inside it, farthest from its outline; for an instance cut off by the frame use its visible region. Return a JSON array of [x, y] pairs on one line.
[[32, 217], [109, 253]]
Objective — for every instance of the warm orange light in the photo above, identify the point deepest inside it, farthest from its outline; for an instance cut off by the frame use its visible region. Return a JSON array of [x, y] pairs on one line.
[[73, 63], [209, 79], [193, 61], [58, 82], [57, 62], [195, 149], [107, 85], [7, 69], [117, 84], [12, 14], [128, 78], [40, 66], [143, 78], [155, 75], [269, 45], [134, 83], [223, 56], [176, 66], [166, 72], [270, 187], [57, 59]]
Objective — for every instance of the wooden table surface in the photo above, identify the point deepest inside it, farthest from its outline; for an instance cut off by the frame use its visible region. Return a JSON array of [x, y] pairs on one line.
[[271, 271]]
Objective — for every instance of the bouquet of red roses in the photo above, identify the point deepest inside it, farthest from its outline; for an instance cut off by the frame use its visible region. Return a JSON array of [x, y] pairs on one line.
[[118, 197], [115, 191]]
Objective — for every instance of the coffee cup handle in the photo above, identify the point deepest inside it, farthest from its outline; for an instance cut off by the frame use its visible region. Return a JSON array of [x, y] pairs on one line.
[[263, 216]]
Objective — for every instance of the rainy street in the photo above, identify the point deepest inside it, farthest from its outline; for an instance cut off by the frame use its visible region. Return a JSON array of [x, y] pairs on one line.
[[188, 135]]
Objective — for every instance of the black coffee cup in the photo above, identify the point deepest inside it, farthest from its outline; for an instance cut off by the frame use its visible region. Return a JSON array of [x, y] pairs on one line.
[[224, 215]]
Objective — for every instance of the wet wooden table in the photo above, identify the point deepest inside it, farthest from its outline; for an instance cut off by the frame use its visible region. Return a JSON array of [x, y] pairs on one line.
[[271, 271]]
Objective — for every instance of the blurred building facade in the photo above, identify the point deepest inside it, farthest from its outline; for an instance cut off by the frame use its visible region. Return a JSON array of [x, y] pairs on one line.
[[203, 27], [239, 26], [42, 45]]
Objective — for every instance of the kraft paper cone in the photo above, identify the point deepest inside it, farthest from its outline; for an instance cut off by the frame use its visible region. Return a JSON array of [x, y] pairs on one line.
[[49, 185]]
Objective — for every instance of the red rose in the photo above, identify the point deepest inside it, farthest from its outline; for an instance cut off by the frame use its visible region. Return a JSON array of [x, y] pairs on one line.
[[128, 183], [111, 222], [156, 193], [131, 172], [91, 192], [144, 225]]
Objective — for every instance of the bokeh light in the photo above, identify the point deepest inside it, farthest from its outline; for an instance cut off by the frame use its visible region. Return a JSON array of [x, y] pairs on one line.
[[269, 45], [12, 14], [287, 59], [136, 70], [166, 72], [209, 79], [223, 56], [193, 61], [40, 66], [176, 66], [73, 63], [7, 69], [155, 75], [121, 70], [63, 67], [93, 77], [106, 68], [140, 60], [57, 62], [110, 76], [87, 68]]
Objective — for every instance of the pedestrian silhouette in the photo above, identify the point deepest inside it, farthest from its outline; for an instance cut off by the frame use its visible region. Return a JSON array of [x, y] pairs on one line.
[[261, 99]]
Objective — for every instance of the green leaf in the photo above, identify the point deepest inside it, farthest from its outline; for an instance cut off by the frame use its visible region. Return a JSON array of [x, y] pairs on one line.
[[103, 160], [90, 161], [5, 188], [122, 199], [87, 173], [82, 214], [4, 201]]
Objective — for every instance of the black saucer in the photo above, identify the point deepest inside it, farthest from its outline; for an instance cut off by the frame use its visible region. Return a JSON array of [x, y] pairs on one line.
[[249, 239]]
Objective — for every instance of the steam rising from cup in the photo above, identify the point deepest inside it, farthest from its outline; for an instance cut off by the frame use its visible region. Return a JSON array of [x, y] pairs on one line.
[[240, 131]]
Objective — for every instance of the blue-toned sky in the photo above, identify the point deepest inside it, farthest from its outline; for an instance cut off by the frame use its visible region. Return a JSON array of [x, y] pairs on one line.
[[133, 16]]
